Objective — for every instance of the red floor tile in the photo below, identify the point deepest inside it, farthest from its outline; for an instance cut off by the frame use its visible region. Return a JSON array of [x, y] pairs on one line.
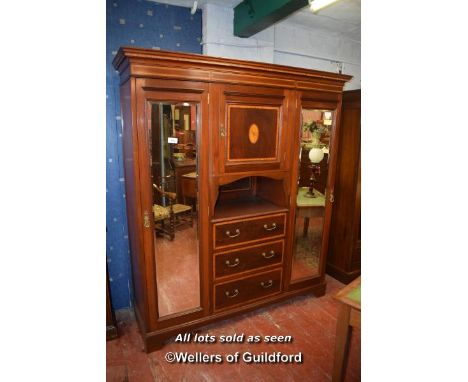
[[311, 321], [116, 373]]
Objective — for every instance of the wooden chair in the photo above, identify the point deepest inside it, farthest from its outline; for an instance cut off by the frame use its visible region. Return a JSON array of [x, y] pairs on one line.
[[167, 218]]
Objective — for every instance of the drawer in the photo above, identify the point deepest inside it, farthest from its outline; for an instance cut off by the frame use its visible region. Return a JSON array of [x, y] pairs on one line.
[[246, 259], [248, 230], [250, 288]]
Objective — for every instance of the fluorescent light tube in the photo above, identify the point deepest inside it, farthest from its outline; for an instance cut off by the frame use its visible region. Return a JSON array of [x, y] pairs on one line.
[[316, 5]]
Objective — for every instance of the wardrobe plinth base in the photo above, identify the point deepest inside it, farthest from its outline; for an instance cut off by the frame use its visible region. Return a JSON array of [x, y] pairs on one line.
[[156, 340]]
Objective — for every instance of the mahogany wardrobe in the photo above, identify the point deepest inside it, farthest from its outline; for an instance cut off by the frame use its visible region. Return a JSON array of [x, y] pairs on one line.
[[229, 176]]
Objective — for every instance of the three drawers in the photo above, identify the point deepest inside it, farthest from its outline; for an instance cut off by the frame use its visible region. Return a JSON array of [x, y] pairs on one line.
[[248, 230], [246, 259], [247, 289], [239, 273]]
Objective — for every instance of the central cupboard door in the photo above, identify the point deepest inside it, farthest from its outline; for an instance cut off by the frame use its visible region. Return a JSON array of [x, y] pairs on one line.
[[251, 128]]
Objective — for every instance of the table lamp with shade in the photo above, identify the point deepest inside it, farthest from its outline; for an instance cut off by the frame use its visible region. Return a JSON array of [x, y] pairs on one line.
[[316, 155], [318, 149]]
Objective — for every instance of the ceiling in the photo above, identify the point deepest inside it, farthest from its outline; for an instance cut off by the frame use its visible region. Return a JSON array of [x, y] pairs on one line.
[[343, 18]]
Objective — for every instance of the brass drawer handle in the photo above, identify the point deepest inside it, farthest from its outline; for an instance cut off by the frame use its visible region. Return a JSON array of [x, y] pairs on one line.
[[273, 227], [235, 264], [235, 235], [272, 254], [236, 292], [267, 285]]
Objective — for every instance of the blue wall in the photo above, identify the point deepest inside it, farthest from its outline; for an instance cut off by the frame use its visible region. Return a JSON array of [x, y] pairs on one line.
[[145, 24]]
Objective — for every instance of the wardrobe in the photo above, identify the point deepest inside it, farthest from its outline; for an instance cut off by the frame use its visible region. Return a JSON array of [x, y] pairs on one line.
[[247, 222]]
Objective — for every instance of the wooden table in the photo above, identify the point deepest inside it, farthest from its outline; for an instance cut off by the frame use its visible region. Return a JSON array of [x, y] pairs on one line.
[[349, 317], [309, 207], [182, 167], [189, 187]]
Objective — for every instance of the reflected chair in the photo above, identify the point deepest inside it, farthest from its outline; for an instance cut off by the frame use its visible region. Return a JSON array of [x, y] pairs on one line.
[[168, 218]]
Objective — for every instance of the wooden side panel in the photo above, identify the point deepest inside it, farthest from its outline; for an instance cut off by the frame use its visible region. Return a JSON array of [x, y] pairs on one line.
[[132, 196], [344, 254], [356, 256]]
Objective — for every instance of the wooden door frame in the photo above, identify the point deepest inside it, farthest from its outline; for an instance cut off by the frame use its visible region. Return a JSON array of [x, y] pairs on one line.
[[312, 100], [159, 90]]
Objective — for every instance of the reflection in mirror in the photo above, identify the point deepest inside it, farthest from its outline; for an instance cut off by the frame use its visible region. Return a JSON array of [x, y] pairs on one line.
[[173, 153], [311, 192]]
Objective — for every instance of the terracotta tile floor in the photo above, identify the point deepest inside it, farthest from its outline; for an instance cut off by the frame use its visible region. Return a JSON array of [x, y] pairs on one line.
[[307, 249], [175, 261], [310, 321]]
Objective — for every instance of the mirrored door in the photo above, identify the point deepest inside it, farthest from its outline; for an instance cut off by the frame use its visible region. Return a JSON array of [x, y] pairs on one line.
[[174, 176], [314, 156]]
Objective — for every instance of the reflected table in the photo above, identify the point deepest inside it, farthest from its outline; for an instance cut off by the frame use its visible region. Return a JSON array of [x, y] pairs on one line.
[[182, 167], [309, 207], [189, 186], [349, 317]]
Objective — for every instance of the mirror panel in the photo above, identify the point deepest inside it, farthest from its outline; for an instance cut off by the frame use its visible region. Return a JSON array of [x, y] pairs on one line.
[[311, 192], [174, 175]]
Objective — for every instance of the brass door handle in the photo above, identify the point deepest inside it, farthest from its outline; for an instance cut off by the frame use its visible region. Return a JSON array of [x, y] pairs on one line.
[[272, 254], [235, 264], [229, 295], [146, 220], [267, 285], [273, 227], [235, 235]]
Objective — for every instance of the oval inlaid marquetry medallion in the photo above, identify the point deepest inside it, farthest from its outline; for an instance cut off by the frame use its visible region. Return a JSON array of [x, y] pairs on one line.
[[253, 133]]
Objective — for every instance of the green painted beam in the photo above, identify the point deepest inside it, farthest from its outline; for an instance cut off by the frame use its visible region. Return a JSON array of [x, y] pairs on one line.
[[253, 16]]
